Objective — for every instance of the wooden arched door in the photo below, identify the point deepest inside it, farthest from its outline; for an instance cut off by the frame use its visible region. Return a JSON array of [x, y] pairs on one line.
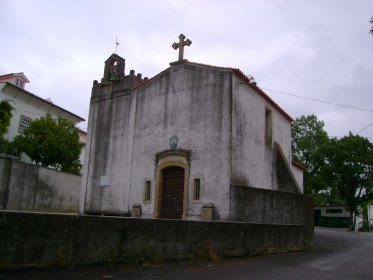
[[172, 193]]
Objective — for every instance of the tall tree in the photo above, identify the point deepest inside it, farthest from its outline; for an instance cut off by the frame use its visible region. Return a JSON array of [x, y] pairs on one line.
[[351, 170], [5, 116], [309, 142], [51, 142]]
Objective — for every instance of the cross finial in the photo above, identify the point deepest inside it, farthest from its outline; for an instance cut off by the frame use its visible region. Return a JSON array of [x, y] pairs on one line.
[[116, 44], [181, 45]]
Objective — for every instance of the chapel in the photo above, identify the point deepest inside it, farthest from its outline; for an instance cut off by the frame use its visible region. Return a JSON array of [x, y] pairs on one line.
[[173, 146]]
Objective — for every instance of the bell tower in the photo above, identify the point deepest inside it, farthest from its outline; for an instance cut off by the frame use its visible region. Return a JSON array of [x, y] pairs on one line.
[[114, 68]]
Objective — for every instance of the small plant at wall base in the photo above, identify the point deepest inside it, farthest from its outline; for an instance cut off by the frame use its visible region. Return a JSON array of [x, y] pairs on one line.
[[146, 256], [51, 142], [207, 252], [5, 116]]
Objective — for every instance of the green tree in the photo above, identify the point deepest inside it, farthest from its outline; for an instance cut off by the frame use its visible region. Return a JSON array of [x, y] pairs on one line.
[[351, 170], [5, 116], [309, 142], [51, 142]]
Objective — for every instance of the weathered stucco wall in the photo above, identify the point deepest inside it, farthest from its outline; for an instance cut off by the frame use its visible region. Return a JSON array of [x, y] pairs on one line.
[[219, 121], [32, 188], [107, 169], [193, 104], [271, 207], [127, 129], [252, 155], [298, 174], [41, 240]]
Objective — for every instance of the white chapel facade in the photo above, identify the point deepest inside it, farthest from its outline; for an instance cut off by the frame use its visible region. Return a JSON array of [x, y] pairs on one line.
[[173, 145]]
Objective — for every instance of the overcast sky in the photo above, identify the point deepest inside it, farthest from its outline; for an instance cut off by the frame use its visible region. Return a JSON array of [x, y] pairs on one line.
[[319, 49]]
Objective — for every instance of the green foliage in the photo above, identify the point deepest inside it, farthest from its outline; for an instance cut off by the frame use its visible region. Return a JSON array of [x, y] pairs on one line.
[[5, 116], [366, 226], [51, 142], [309, 143], [339, 171], [351, 169]]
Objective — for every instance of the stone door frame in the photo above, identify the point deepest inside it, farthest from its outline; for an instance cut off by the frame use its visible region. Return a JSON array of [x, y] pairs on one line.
[[165, 160]]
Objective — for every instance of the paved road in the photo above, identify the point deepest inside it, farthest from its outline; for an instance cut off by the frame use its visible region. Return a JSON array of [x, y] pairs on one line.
[[338, 255]]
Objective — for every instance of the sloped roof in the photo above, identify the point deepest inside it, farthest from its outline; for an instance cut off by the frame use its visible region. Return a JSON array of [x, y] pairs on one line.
[[18, 93], [11, 75], [298, 165], [260, 92]]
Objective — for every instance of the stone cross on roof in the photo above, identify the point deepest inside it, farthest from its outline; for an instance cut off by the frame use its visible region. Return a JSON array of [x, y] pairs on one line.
[[181, 45]]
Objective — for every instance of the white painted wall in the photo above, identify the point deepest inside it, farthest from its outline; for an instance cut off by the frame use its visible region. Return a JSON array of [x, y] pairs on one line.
[[252, 159], [26, 108], [193, 104], [298, 174], [326, 211], [127, 132], [218, 120], [20, 107]]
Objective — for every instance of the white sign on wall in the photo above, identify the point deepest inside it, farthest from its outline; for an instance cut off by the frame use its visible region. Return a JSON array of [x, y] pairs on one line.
[[104, 181]]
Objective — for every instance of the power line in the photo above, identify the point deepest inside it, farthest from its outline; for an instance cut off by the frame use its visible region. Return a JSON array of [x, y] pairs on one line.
[[327, 102], [321, 101], [365, 127]]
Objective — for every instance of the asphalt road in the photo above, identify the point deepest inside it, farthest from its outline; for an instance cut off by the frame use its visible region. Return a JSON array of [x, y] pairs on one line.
[[337, 255]]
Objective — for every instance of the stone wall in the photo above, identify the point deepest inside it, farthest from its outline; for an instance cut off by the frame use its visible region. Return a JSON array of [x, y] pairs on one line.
[[30, 240], [27, 187], [271, 207]]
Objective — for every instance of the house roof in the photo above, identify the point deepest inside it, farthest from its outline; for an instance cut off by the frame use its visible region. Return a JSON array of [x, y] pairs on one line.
[[11, 75], [27, 96]]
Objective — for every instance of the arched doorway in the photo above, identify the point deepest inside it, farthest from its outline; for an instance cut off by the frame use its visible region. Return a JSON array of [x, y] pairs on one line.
[[172, 192], [172, 168]]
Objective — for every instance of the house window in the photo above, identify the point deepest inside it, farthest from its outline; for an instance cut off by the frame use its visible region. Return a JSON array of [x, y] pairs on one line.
[[19, 83], [148, 191], [13, 155], [197, 189], [334, 211], [268, 127], [24, 122]]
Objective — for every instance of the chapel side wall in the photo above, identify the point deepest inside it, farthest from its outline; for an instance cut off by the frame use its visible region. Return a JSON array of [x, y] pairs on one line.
[[250, 157], [192, 103], [282, 134], [106, 184], [298, 174], [252, 153]]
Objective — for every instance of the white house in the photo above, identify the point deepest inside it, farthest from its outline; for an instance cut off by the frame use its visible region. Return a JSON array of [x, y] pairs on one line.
[[174, 145], [28, 106]]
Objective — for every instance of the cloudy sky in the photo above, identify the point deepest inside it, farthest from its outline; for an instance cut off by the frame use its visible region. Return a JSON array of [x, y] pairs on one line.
[[319, 49]]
